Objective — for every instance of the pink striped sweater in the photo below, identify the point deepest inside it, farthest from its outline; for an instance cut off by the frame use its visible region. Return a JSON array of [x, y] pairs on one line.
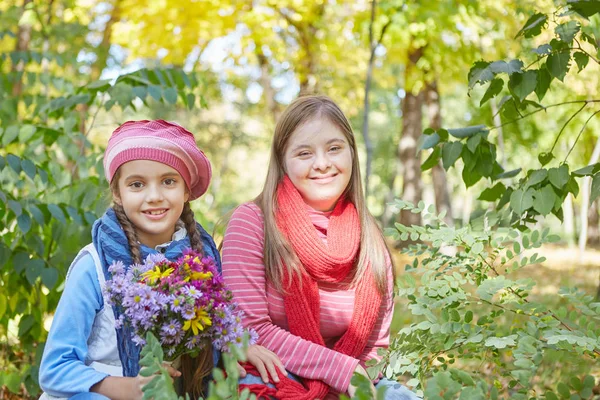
[[244, 272]]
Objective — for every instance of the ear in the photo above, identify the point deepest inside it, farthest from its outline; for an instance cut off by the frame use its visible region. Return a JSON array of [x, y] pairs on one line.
[[187, 195], [116, 197]]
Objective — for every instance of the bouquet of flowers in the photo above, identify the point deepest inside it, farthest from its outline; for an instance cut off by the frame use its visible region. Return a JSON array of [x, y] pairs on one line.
[[183, 303]]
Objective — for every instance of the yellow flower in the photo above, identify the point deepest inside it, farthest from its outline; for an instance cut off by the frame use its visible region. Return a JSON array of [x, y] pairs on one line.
[[155, 274], [198, 323], [201, 275]]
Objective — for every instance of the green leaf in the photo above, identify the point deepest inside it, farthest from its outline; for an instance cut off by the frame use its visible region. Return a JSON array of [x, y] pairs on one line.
[[522, 84], [563, 390], [521, 200], [559, 177], [581, 59], [33, 270], [99, 85], [24, 222], [585, 8], [26, 324], [462, 133], [14, 162], [29, 168], [533, 26], [10, 134], [433, 159], [26, 132], [473, 142], [545, 158], [479, 73], [36, 214], [190, 101], [428, 141], [57, 213], [543, 82], [2, 161], [501, 342], [170, 95], [587, 171], [140, 91], [155, 92], [477, 248], [543, 200], [514, 66], [508, 174], [15, 206], [493, 193], [551, 396], [558, 64], [537, 176], [493, 90], [543, 49], [595, 188], [450, 153], [468, 316], [567, 31]]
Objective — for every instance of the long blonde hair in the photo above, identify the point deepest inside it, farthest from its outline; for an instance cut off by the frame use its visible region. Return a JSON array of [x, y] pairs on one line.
[[279, 256]]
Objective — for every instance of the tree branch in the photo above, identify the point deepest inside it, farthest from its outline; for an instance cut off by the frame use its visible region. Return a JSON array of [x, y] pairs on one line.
[[580, 132]]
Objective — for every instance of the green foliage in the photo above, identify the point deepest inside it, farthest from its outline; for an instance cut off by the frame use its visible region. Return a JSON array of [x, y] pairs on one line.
[[541, 191], [471, 311], [51, 175]]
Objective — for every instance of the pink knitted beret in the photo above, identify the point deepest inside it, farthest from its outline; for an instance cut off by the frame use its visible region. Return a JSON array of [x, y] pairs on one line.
[[161, 141]]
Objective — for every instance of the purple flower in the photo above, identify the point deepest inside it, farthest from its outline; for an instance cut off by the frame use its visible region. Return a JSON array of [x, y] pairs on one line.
[[117, 268], [192, 292], [188, 312], [172, 327], [138, 340]]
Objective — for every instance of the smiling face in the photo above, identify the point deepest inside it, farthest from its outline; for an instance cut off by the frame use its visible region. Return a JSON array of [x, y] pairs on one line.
[[318, 161], [152, 195]]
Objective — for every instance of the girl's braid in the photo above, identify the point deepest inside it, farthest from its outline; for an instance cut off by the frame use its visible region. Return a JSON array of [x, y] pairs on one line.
[[187, 216], [129, 230]]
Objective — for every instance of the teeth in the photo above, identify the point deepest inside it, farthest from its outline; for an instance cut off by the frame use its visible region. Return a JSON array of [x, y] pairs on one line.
[[155, 212]]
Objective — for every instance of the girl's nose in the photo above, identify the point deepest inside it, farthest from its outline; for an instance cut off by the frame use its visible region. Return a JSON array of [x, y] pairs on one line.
[[322, 162], [154, 194]]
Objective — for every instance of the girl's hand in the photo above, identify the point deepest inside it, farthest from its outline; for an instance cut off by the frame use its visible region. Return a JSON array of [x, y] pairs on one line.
[[265, 362], [352, 389]]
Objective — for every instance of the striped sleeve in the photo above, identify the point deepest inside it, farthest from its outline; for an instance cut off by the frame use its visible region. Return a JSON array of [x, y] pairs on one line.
[[380, 337], [244, 273]]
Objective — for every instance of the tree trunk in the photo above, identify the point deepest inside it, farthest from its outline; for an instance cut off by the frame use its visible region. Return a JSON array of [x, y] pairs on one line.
[[365, 128], [23, 39], [412, 115], [585, 202], [593, 224], [569, 220], [265, 82], [440, 186]]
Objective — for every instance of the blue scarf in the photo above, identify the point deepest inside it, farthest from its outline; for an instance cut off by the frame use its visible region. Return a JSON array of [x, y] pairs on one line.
[[111, 243]]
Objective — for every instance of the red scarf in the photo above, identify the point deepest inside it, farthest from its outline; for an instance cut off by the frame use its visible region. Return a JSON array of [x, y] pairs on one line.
[[333, 263]]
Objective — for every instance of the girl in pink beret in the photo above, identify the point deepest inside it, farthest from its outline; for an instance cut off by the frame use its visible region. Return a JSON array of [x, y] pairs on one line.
[[154, 169]]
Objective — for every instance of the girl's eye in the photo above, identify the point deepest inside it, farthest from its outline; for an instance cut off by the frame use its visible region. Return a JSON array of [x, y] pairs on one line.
[[304, 154], [169, 181], [136, 185], [335, 148]]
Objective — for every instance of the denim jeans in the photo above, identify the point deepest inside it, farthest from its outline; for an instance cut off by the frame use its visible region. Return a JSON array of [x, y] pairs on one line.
[[395, 391]]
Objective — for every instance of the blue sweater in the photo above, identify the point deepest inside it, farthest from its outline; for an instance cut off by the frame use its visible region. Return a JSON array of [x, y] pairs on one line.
[[63, 372]]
